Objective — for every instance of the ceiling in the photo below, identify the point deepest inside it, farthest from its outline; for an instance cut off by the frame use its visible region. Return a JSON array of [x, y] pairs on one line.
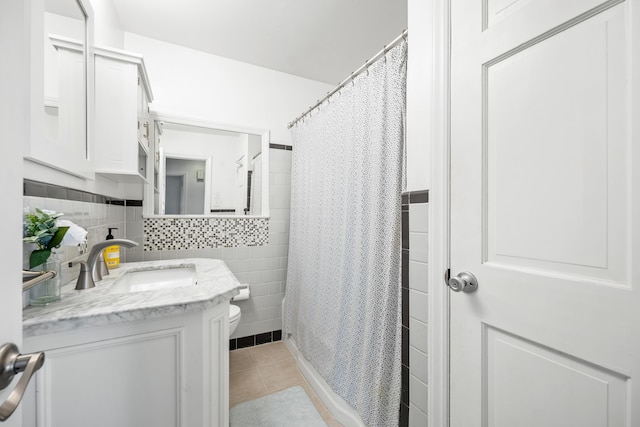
[[323, 40]]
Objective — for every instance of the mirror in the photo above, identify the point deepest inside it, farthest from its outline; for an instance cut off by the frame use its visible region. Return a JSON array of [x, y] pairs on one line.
[[65, 98], [62, 79], [209, 169]]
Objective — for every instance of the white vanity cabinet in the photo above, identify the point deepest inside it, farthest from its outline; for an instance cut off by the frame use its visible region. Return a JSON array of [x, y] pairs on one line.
[[122, 97], [160, 372]]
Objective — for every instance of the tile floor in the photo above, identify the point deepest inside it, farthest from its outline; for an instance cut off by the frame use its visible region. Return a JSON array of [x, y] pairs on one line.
[[265, 369]]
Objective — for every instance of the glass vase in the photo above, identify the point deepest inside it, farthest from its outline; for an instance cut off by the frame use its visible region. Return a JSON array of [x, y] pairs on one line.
[[49, 290]]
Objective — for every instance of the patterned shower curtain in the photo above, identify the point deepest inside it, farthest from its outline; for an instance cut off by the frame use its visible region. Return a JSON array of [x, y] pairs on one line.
[[343, 280]]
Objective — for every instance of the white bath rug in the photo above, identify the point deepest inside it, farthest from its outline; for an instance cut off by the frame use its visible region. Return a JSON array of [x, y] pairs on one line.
[[287, 408]]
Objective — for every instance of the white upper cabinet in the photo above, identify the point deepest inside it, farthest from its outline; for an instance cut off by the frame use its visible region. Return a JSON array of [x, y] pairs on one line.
[[122, 95], [61, 87], [144, 122]]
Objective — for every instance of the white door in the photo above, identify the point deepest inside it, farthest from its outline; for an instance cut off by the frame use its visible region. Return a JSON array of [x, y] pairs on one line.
[[545, 212], [14, 77]]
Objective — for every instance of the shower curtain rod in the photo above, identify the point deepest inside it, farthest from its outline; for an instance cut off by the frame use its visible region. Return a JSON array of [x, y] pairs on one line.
[[383, 52]]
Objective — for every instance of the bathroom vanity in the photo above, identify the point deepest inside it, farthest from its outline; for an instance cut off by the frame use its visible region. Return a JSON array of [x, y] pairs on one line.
[[121, 355]]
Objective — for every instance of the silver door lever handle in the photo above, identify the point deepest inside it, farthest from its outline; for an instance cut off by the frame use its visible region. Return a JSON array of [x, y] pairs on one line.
[[11, 364]]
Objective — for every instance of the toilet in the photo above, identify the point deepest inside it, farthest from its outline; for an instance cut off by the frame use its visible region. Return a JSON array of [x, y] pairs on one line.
[[234, 310], [234, 318]]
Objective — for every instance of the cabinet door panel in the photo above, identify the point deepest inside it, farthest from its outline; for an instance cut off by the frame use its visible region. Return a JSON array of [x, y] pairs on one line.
[[116, 146], [132, 381]]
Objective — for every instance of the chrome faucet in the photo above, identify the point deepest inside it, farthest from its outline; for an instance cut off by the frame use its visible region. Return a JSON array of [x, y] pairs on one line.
[[96, 260], [90, 270]]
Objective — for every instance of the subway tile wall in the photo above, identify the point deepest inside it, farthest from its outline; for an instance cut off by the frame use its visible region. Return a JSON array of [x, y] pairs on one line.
[[262, 267], [413, 405], [418, 330], [94, 216]]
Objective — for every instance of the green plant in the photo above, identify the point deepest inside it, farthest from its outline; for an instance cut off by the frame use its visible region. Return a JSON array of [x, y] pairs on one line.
[[40, 228]]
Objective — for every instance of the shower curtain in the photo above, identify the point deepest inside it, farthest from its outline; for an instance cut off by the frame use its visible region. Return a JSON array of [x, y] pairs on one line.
[[343, 279]]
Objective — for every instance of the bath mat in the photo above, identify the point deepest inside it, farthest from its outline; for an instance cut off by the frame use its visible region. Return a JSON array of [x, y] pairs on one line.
[[287, 408]]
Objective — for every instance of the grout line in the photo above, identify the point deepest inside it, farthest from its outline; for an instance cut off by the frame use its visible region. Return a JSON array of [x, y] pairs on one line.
[[264, 384]]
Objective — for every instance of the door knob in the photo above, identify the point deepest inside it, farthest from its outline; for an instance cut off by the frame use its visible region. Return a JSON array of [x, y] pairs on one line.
[[12, 363], [465, 282]]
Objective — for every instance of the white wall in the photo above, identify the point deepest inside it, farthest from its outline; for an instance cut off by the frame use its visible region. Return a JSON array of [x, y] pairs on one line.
[[195, 84], [107, 29], [419, 94]]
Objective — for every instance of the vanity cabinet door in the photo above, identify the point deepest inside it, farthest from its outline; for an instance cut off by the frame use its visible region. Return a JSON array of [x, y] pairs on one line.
[[163, 371]]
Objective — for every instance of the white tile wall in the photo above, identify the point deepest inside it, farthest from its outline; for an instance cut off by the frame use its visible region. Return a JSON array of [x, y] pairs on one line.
[[418, 244], [418, 334], [134, 230], [418, 273], [417, 418], [265, 268], [419, 217], [418, 328], [93, 217], [418, 302], [418, 366], [418, 391]]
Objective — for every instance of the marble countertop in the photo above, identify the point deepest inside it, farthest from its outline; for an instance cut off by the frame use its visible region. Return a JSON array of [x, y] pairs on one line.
[[97, 307]]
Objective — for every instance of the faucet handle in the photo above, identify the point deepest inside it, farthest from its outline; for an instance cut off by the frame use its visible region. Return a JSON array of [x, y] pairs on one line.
[[85, 280], [101, 267]]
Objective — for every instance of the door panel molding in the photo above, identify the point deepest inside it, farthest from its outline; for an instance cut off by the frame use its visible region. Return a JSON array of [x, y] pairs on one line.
[[522, 31], [509, 358], [604, 209]]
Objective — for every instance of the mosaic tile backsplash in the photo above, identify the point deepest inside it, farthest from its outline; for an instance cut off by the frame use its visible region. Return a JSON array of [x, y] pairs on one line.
[[203, 233]]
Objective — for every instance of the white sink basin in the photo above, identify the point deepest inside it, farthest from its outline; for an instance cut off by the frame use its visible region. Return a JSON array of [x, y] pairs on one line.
[[151, 280]]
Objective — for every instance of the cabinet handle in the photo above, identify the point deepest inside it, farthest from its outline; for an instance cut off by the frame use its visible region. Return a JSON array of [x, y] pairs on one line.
[[12, 363], [146, 132]]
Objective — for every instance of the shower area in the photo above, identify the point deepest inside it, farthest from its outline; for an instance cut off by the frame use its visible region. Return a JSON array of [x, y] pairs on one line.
[[342, 314]]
